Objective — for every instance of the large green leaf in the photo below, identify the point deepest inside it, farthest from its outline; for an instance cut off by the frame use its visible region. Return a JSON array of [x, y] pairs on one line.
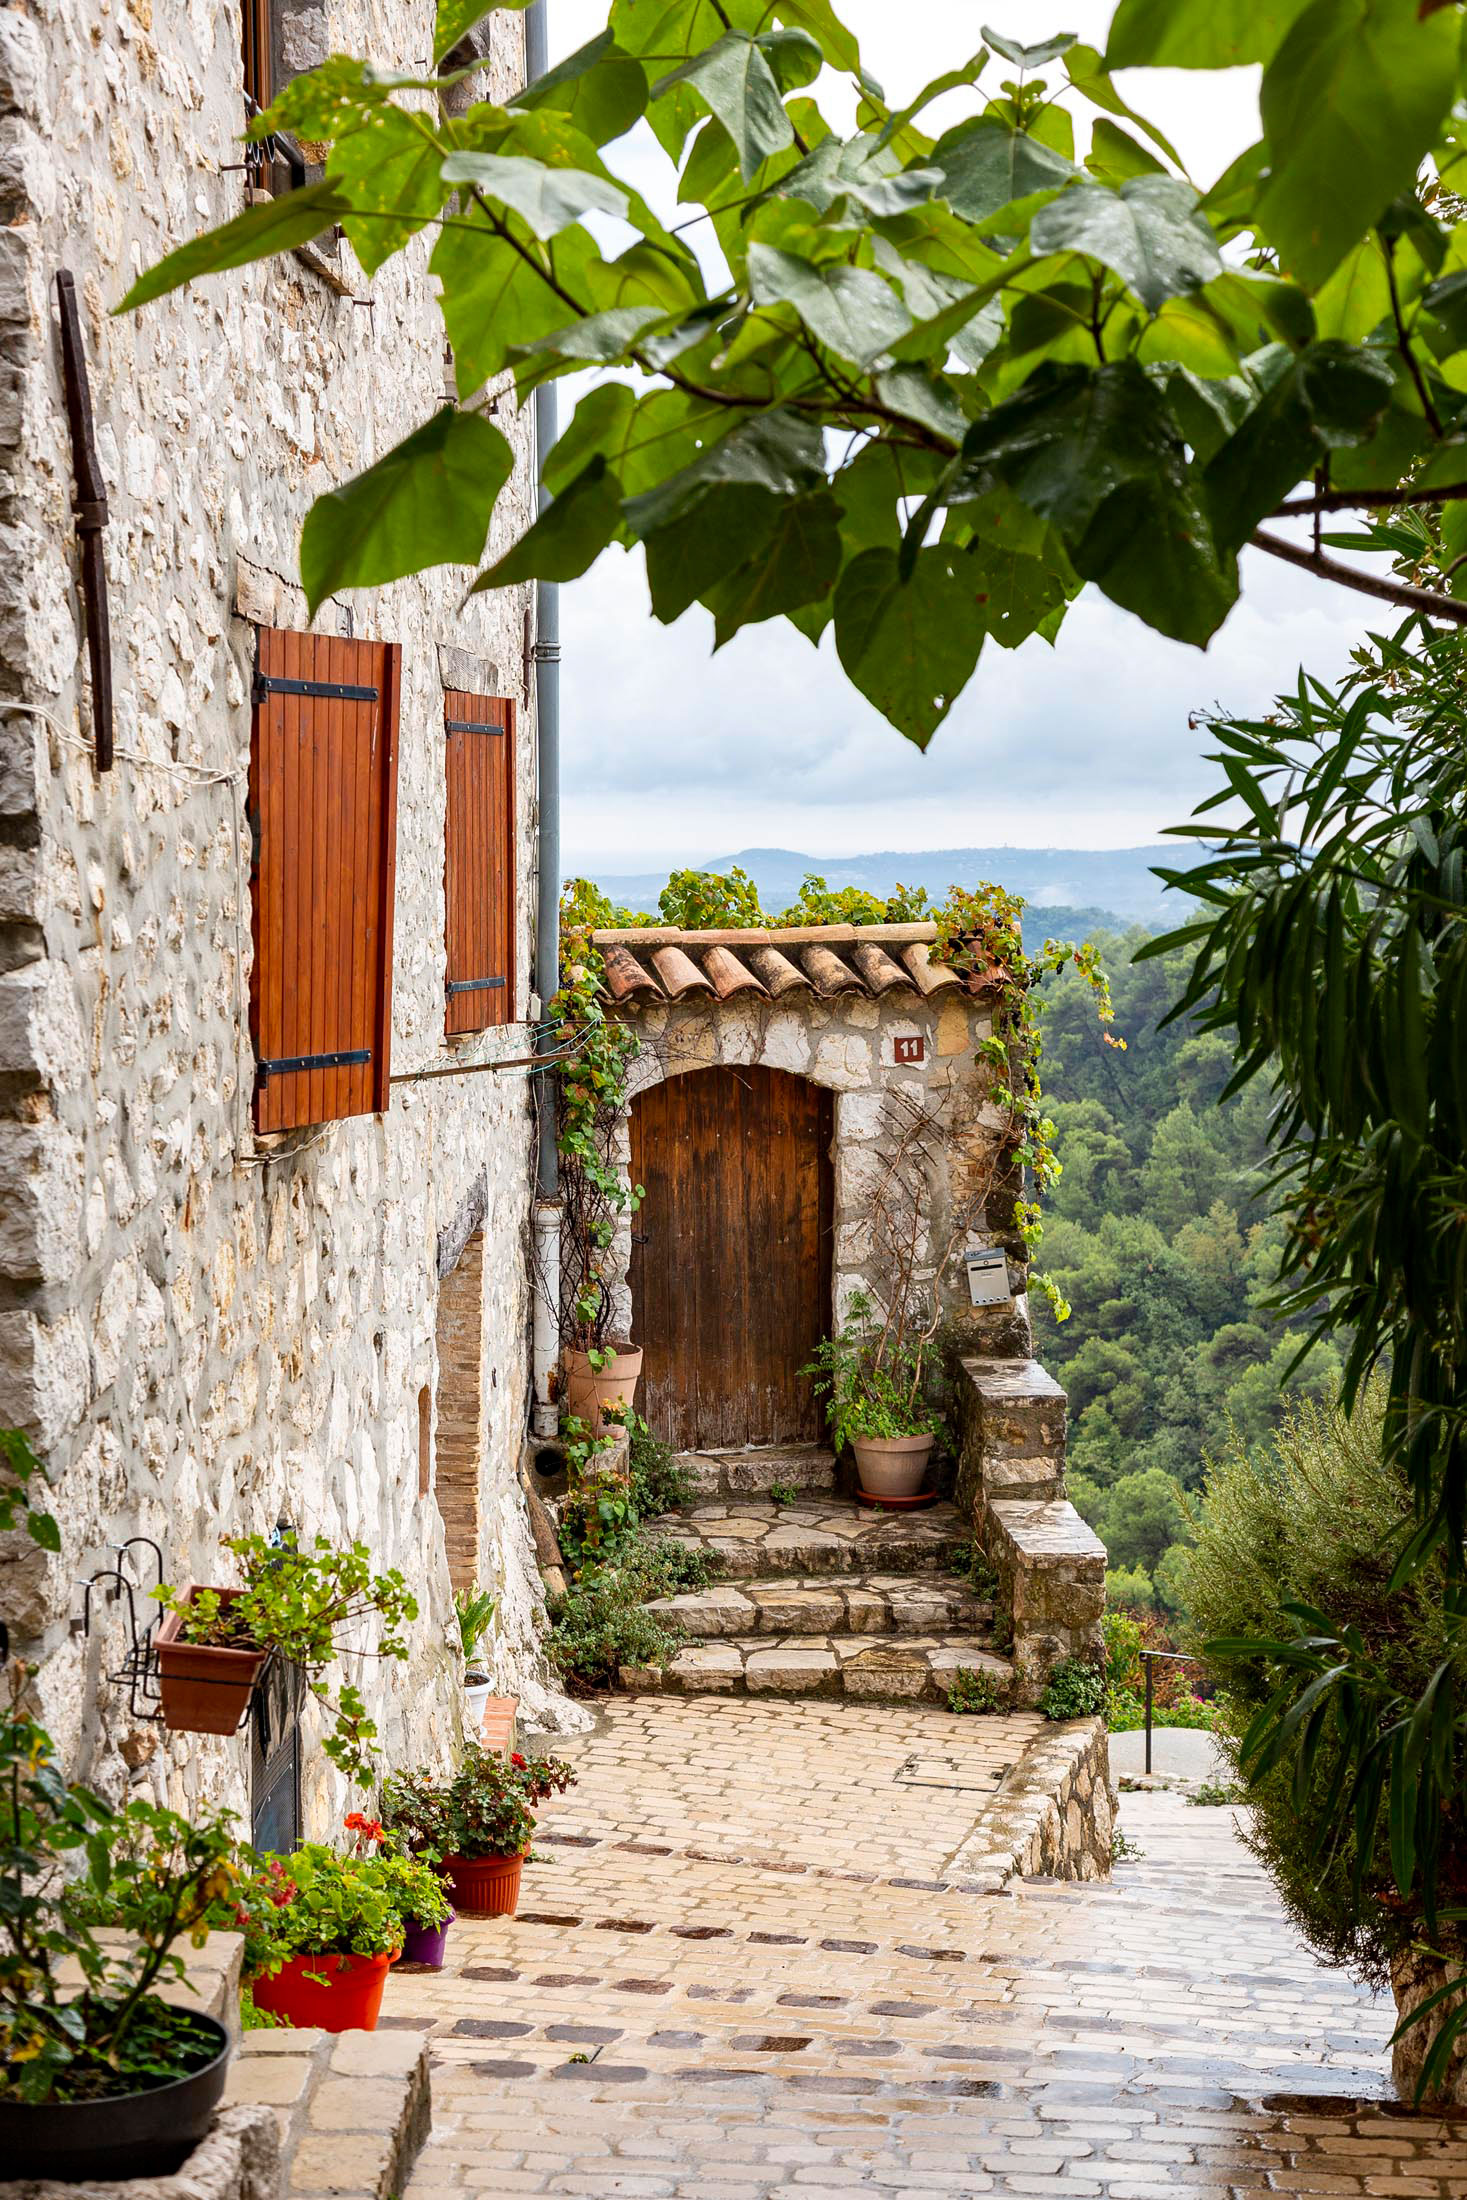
[[389, 168], [428, 502], [546, 199], [1351, 103], [1028, 57], [1016, 593], [640, 439], [735, 80], [497, 295], [1330, 398], [1097, 453], [987, 167], [779, 451], [1149, 232], [273, 225], [567, 538], [909, 646], [797, 565], [793, 55], [456, 18], [602, 89], [855, 312], [819, 18], [704, 541], [1197, 34]]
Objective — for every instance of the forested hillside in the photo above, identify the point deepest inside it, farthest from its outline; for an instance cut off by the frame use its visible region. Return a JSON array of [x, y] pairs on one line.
[[1158, 1242]]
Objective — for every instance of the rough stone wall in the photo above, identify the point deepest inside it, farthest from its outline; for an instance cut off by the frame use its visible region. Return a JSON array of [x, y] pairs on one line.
[[847, 1044], [203, 1332], [460, 1411]]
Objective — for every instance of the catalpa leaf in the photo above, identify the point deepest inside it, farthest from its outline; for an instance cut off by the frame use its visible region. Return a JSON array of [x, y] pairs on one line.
[[1028, 57], [428, 502], [390, 172], [704, 541], [779, 451], [1087, 72], [1330, 398], [567, 538], [546, 199], [793, 55], [850, 309], [1197, 34], [1148, 232], [909, 646], [1351, 103], [456, 18], [270, 226], [601, 89], [796, 565], [739, 87], [987, 167], [495, 300]]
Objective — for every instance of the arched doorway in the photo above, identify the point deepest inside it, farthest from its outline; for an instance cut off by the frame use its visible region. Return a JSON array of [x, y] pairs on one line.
[[730, 1269]]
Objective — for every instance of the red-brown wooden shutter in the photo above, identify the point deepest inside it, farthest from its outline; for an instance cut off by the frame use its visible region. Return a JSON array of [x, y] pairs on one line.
[[323, 812], [478, 861]]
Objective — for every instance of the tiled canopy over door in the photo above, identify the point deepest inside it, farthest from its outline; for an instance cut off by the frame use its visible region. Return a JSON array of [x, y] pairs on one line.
[[323, 813], [478, 861], [731, 1255]]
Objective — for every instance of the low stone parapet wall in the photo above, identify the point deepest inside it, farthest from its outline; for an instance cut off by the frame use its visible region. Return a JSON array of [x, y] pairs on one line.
[[1051, 1573], [1011, 1422], [1053, 1817]]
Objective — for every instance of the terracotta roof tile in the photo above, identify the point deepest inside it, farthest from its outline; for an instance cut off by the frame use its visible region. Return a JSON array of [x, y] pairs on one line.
[[659, 962]]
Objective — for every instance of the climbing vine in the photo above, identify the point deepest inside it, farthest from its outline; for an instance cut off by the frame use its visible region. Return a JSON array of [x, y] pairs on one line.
[[597, 1050]]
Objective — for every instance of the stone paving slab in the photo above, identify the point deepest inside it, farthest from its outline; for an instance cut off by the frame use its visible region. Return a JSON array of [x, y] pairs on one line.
[[754, 1538], [896, 1669], [663, 2021], [823, 1604]]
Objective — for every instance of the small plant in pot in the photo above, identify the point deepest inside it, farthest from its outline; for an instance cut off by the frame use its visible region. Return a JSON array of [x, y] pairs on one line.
[[322, 1930], [100, 2077], [474, 1609], [870, 1377], [296, 1602], [477, 1821]]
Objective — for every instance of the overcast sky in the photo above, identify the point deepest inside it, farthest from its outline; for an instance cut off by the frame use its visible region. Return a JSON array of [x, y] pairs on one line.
[[674, 755]]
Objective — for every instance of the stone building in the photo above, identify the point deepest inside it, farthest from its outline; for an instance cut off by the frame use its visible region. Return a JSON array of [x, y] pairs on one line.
[[235, 1291]]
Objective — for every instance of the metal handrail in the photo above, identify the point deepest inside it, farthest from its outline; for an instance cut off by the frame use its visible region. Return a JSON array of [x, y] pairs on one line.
[[1148, 1658]]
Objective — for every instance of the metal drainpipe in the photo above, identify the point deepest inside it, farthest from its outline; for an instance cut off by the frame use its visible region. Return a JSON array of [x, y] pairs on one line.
[[546, 653]]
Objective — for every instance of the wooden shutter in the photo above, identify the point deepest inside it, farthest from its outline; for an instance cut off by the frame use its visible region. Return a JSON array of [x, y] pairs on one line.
[[478, 861], [323, 812]]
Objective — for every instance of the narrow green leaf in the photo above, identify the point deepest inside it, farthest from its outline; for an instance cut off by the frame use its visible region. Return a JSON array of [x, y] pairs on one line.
[[428, 502], [910, 647], [272, 225]]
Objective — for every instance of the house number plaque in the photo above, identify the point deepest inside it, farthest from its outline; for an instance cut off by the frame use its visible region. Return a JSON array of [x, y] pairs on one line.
[[909, 1049]]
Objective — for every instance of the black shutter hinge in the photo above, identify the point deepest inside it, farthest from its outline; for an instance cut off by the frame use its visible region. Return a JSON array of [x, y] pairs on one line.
[[472, 985], [333, 691], [289, 1064]]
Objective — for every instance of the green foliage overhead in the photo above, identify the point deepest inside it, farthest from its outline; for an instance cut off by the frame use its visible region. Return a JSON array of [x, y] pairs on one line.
[[925, 389]]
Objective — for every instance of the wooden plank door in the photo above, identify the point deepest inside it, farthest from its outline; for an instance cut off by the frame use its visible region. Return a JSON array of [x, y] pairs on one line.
[[731, 1269]]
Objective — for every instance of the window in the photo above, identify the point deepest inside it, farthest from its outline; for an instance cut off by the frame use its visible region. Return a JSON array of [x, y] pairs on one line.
[[277, 163], [479, 862], [323, 819]]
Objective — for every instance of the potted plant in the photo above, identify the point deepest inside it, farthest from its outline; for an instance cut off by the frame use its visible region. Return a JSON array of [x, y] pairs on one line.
[[425, 1924], [295, 1603], [100, 2077], [477, 1821], [870, 1377], [321, 1930], [474, 1609]]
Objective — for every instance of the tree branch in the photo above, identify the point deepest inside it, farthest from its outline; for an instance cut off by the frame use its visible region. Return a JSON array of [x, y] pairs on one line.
[[1369, 584], [1368, 500], [1403, 342]]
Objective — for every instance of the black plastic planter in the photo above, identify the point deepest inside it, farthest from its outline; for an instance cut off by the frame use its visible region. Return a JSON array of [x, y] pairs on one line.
[[131, 2135]]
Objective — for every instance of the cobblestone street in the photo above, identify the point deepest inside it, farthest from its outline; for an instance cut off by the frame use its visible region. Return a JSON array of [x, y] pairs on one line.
[[743, 1966]]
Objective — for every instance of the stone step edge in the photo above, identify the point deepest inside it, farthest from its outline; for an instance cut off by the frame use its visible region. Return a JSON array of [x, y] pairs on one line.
[[840, 1681], [678, 1613], [753, 1473], [355, 2108]]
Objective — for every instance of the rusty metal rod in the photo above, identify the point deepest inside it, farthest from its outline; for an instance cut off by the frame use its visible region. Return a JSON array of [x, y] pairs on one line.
[[89, 504]]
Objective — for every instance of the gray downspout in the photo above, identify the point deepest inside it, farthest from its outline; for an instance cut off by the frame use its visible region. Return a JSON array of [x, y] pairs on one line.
[[546, 654]]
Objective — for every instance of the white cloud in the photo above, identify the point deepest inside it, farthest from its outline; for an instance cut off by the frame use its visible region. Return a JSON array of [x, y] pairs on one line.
[[672, 754]]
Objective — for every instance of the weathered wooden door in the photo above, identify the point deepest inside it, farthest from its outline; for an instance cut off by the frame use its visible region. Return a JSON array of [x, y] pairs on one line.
[[731, 1264]]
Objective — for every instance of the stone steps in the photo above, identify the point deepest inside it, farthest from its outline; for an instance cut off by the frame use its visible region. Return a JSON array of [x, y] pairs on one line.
[[752, 1538], [828, 1604], [887, 1669], [807, 1468]]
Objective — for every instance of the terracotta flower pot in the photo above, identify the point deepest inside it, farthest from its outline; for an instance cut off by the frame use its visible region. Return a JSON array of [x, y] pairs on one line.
[[205, 1690], [485, 1886], [589, 1390], [892, 1466], [333, 1993]]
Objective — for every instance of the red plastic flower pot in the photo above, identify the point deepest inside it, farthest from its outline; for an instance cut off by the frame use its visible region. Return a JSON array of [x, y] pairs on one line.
[[485, 1886], [333, 1993]]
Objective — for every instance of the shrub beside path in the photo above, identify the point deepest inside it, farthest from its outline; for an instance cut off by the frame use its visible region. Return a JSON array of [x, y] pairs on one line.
[[740, 1971]]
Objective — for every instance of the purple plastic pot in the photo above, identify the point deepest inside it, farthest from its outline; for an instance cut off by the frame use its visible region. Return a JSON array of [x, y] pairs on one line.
[[425, 1944]]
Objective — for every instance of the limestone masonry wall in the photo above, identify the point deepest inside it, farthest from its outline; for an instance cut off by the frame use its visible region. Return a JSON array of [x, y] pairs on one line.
[[203, 1332]]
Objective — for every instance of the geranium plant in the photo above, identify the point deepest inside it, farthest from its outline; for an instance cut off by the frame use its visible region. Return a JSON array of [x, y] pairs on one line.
[[300, 1602], [315, 1902], [145, 1869], [483, 1808]]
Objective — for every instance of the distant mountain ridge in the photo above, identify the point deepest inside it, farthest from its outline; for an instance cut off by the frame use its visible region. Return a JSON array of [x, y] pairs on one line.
[[1098, 882]]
